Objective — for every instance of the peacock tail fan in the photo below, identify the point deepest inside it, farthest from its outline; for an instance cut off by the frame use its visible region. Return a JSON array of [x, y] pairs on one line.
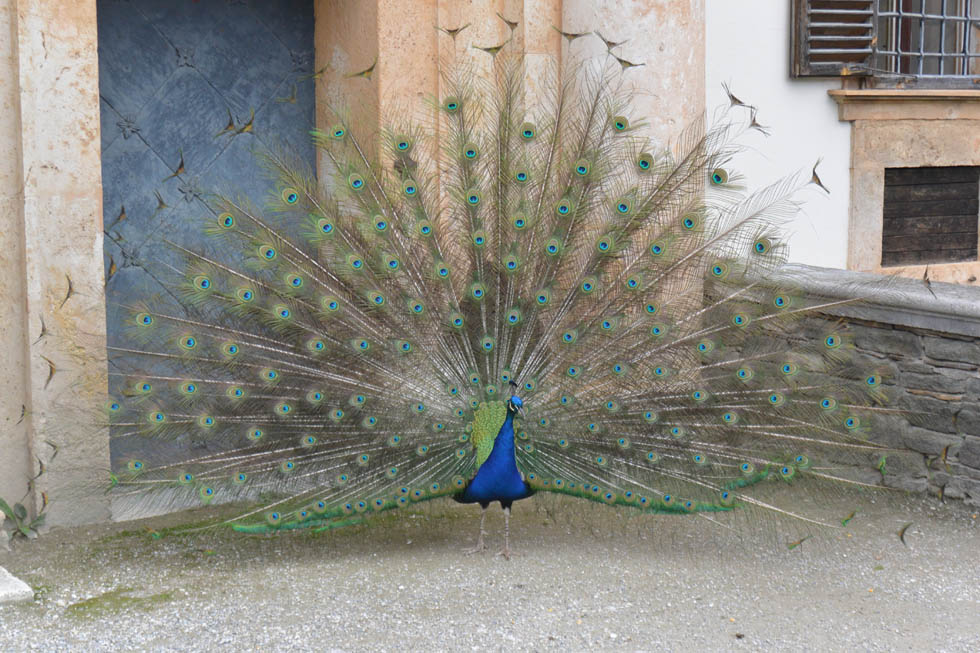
[[342, 349]]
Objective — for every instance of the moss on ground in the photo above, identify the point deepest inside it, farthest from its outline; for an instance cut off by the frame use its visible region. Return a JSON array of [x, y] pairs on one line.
[[115, 601]]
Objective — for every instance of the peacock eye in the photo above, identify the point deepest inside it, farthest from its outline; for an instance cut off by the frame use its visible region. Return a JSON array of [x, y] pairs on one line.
[[611, 286]]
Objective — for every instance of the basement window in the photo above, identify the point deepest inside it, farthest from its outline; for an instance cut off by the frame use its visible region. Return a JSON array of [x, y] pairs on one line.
[[930, 215]]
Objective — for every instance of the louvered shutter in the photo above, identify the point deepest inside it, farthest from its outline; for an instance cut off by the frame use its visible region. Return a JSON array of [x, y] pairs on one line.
[[831, 37]]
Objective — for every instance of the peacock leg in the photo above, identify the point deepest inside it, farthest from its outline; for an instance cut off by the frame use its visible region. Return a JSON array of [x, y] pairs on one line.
[[480, 546], [506, 550]]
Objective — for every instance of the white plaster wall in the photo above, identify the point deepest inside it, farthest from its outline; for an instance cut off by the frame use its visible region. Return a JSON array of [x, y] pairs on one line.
[[747, 46]]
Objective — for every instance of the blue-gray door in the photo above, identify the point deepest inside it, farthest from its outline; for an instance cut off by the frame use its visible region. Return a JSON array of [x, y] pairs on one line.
[[189, 89]]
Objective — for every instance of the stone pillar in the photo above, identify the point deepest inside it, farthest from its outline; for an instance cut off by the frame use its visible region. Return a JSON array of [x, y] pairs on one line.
[[51, 279], [345, 41], [14, 452], [665, 35]]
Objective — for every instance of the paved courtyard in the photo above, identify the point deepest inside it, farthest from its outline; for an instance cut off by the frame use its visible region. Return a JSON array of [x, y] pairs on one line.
[[587, 577]]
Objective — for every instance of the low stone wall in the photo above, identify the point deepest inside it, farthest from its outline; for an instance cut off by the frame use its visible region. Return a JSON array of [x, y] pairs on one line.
[[926, 340]]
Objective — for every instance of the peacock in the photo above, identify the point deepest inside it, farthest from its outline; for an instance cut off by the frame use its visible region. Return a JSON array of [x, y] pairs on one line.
[[518, 293]]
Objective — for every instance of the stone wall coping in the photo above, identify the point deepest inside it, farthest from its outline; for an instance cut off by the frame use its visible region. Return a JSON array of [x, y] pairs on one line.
[[943, 307]]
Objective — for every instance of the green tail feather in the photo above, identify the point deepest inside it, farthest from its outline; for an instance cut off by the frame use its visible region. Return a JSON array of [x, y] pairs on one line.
[[340, 339]]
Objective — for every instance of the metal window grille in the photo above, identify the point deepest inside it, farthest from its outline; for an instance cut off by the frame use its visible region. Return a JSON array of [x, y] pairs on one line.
[[928, 38]]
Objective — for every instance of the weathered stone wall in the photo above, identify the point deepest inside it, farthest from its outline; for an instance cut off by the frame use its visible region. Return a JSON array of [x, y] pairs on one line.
[[53, 308], [926, 342], [934, 376], [14, 450]]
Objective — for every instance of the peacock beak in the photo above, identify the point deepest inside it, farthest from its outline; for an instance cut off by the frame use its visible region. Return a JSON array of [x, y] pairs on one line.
[[520, 411]]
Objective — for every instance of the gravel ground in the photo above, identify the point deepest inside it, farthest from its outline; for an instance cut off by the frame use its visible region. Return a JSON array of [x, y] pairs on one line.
[[587, 577]]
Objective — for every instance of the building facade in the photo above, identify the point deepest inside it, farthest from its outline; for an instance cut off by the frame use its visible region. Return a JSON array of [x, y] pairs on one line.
[[64, 244]]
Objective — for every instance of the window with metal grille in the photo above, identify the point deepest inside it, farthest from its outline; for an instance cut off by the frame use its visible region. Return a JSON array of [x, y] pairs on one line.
[[936, 40], [927, 37], [930, 215]]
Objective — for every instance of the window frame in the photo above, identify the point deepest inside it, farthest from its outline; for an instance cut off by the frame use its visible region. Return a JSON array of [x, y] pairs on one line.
[[802, 64]]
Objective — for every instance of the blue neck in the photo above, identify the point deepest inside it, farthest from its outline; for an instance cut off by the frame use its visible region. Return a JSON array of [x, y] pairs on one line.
[[503, 455], [498, 478]]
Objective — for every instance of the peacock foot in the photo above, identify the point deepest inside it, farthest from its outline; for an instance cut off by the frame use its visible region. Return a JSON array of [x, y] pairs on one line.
[[479, 548], [507, 553]]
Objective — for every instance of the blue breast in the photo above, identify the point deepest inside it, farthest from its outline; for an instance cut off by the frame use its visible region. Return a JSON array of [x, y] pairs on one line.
[[498, 478]]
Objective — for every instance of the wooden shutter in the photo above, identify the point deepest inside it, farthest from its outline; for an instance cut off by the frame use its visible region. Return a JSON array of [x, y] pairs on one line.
[[930, 215], [831, 37]]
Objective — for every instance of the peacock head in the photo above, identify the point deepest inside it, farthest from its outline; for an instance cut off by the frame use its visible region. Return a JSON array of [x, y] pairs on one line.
[[515, 405]]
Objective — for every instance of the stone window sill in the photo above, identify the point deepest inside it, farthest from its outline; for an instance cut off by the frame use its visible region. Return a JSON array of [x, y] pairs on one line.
[[907, 104]]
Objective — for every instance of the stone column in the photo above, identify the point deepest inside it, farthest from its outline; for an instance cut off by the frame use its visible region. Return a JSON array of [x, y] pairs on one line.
[[666, 35], [51, 279], [14, 452]]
